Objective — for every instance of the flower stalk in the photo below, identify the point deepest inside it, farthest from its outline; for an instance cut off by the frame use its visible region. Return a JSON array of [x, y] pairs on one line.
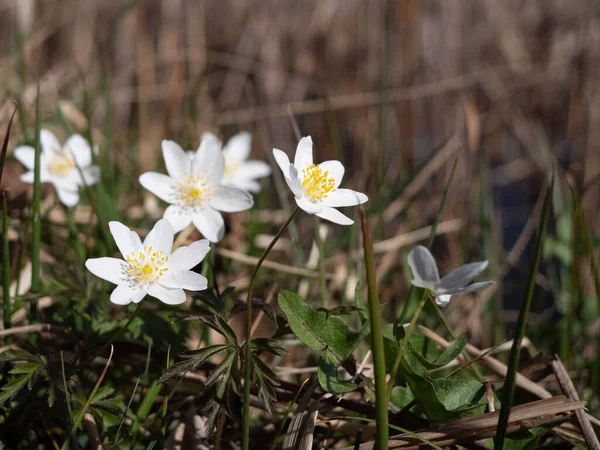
[[248, 344], [381, 397]]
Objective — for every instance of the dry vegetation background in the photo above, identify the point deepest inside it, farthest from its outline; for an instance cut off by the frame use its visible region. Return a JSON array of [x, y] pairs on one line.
[[504, 86]]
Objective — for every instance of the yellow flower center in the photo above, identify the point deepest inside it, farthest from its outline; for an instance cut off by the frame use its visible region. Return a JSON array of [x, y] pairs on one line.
[[145, 266], [193, 191], [61, 163], [316, 183]]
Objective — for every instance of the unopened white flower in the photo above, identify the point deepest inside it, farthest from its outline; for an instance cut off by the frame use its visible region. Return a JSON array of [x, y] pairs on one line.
[[150, 267], [67, 167], [194, 188], [426, 275], [316, 186]]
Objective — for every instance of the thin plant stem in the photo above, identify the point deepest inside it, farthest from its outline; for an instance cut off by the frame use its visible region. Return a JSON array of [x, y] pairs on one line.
[[36, 211], [72, 225], [473, 367], [413, 321], [5, 269], [248, 344], [320, 248], [508, 391], [381, 397]]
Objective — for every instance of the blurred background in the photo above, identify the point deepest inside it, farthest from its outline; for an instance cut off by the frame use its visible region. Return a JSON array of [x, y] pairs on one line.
[[396, 90]]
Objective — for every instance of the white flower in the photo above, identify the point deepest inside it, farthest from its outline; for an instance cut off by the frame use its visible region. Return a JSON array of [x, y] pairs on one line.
[[194, 188], [240, 172], [150, 267], [426, 275], [315, 186], [66, 167]]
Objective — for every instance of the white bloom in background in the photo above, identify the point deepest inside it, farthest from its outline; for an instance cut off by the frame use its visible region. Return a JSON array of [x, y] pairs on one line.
[[67, 167], [426, 275], [316, 186], [239, 171], [194, 188], [150, 267]]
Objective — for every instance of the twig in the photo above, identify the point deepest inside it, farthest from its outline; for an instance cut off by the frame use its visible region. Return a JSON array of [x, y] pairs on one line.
[[35, 328], [567, 386]]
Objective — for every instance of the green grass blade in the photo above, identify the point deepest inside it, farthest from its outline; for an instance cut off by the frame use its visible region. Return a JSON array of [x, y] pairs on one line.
[[5, 143], [381, 398], [37, 216], [5, 270], [513, 359]]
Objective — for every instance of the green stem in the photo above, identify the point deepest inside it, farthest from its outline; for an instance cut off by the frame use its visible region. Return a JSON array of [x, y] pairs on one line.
[[381, 398], [465, 355], [5, 269], [36, 210], [72, 225], [248, 344], [413, 321], [508, 391], [320, 247]]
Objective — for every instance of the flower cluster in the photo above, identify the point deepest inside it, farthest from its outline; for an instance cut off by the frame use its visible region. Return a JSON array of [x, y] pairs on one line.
[[198, 187]]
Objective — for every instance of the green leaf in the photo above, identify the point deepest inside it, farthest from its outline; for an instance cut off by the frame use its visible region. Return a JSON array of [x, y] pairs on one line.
[[318, 330], [194, 359], [453, 350], [361, 306], [523, 440], [26, 368], [13, 387], [442, 399], [401, 396], [328, 375]]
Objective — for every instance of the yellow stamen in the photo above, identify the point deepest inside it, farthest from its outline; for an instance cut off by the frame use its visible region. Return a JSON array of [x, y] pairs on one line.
[[193, 191], [60, 164], [316, 183], [146, 266]]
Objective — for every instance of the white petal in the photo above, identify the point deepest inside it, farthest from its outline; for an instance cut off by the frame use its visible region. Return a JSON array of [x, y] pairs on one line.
[[246, 185], [253, 169], [160, 185], [124, 295], [91, 175], [188, 257], [282, 160], [335, 170], [77, 146], [443, 300], [179, 218], [184, 279], [66, 196], [160, 237], [333, 215], [308, 206], [177, 162], [304, 153], [210, 223], [423, 265], [109, 269], [344, 197], [127, 241], [294, 183], [167, 295], [466, 289], [230, 199], [209, 160], [28, 177], [462, 276], [48, 142], [26, 156], [238, 147]]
